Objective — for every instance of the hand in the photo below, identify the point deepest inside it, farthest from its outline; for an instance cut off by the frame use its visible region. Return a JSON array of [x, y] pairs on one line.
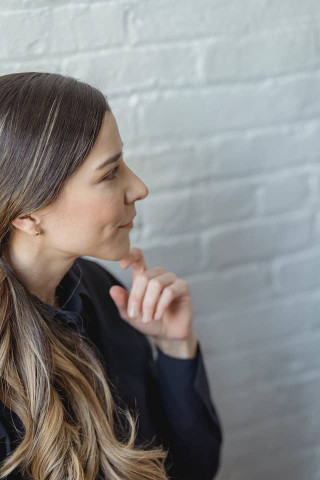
[[161, 301]]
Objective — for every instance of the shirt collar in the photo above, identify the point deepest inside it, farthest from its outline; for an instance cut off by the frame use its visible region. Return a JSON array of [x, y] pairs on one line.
[[71, 287], [70, 291]]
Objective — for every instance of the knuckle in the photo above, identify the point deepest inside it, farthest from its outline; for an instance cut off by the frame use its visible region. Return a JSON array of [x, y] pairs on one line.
[[155, 283], [160, 268], [142, 278], [169, 291]]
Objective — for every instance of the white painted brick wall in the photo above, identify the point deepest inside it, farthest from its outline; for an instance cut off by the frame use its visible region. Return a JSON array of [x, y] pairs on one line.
[[218, 106]]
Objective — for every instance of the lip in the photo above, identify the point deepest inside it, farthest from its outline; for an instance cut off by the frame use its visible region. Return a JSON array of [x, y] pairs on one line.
[[128, 225]]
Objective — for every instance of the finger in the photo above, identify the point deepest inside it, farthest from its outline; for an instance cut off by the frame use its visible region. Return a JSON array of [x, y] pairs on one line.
[[135, 258], [120, 297], [153, 292], [133, 255], [169, 293], [138, 290]]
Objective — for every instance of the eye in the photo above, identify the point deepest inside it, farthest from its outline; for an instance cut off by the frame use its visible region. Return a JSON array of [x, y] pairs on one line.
[[112, 175]]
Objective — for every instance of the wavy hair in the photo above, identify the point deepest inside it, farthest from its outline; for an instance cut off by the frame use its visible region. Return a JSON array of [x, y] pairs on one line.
[[50, 376]]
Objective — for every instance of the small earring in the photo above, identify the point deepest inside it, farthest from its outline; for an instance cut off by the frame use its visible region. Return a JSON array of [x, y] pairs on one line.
[[38, 233]]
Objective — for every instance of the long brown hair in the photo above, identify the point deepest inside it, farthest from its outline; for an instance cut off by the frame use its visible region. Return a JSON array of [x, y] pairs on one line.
[[48, 125]]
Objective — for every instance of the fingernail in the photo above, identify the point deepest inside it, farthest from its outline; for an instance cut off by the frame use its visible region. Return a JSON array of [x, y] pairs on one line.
[[145, 318]]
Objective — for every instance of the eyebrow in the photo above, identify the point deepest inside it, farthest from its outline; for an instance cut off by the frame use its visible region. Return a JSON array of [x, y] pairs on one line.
[[112, 159]]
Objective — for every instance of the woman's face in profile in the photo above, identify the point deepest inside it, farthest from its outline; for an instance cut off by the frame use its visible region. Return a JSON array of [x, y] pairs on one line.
[[94, 202]]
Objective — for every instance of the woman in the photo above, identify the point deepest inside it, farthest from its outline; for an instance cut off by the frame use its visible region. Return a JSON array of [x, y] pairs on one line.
[[82, 396]]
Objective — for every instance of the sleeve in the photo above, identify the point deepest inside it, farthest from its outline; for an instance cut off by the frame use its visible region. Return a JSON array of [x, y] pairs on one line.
[[188, 423], [192, 432]]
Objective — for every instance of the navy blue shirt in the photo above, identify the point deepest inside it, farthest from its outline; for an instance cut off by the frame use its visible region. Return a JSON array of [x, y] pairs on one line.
[[171, 395]]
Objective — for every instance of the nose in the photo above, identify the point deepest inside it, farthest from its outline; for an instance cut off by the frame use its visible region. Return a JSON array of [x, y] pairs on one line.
[[137, 189]]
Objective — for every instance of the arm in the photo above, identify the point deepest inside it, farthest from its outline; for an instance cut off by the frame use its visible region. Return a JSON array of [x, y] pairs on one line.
[[179, 400], [192, 431]]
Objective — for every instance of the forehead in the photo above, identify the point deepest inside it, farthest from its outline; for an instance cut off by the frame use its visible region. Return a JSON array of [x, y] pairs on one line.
[[108, 140], [107, 144]]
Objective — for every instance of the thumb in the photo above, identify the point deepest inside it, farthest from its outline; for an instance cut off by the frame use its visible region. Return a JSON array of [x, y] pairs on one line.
[[120, 297]]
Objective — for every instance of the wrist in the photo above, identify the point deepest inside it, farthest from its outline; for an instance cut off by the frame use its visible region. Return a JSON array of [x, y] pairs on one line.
[[186, 348]]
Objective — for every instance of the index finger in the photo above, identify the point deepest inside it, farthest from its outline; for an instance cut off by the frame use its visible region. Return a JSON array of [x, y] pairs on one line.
[[135, 258]]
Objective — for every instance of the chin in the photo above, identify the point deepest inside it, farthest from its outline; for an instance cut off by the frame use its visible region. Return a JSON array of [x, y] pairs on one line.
[[123, 248]]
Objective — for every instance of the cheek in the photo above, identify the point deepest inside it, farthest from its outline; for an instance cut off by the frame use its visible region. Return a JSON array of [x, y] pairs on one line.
[[83, 213], [96, 211]]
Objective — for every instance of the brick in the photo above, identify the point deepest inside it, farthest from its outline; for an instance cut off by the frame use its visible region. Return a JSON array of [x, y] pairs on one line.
[[204, 207], [261, 56], [24, 33], [243, 408], [165, 20], [166, 168], [257, 242], [285, 193], [277, 438], [258, 152], [277, 363], [223, 108], [38, 65], [299, 273], [222, 292], [94, 25], [126, 70], [276, 319], [173, 255]]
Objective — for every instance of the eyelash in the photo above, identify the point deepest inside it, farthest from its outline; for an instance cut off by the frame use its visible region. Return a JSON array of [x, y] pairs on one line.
[[113, 174]]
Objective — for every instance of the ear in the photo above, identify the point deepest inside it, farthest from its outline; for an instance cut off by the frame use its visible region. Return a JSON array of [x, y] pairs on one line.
[[26, 224]]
